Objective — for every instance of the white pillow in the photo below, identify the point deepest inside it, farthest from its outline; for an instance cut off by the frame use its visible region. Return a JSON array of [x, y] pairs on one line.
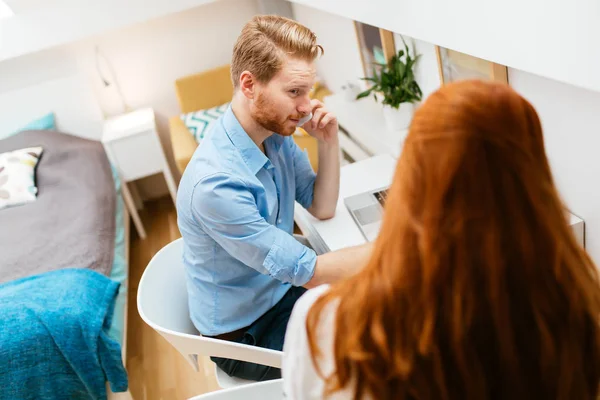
[[200, 122], [17, 176]]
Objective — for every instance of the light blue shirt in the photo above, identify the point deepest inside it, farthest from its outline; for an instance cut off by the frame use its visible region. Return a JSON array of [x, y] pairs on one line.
[[235, 209]]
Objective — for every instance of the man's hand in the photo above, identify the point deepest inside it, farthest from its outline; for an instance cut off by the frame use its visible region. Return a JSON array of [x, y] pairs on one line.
[[324, 125]]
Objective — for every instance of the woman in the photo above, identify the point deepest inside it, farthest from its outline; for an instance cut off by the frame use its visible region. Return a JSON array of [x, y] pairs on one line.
[[476, 288]]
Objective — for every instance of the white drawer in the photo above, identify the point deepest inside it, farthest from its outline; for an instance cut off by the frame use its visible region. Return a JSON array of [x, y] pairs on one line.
[[138, 155]]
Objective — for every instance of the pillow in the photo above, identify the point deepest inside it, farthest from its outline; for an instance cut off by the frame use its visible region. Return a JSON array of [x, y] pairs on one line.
[[17, 176], [46, 122], [200, 122], [41, 124]]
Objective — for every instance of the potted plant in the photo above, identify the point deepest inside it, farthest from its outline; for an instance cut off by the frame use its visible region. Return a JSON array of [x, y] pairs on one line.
[[396, 83]]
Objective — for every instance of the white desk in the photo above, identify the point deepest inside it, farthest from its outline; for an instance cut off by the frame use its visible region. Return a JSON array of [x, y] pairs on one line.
[[341, 231]]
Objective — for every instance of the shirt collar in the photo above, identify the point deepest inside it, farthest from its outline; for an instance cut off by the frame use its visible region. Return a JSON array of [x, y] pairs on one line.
[[251, 154]]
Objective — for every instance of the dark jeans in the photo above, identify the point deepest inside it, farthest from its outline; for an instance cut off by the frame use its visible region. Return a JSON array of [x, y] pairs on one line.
[[268, 331]]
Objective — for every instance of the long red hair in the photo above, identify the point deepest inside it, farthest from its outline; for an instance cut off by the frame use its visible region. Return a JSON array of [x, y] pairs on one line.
[[477, 288]]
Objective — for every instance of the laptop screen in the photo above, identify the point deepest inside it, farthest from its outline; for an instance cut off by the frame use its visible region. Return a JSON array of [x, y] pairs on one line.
[[381, 196]]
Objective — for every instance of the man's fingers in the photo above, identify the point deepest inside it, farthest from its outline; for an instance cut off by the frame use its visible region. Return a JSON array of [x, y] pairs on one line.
[[327, 118], [317, 116]]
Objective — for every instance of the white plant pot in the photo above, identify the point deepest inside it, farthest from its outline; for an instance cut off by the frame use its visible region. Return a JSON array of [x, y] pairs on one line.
[[398, 119]]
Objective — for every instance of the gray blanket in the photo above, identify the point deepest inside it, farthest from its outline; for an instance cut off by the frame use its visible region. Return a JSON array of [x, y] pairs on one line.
[[72, 222]]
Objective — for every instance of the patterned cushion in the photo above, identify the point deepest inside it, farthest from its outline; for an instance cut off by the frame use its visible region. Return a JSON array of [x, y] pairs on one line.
[[200, 122], [17, 176]]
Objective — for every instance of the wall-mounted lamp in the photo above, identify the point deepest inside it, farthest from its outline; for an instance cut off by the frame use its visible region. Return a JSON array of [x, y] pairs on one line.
[[111, 93]]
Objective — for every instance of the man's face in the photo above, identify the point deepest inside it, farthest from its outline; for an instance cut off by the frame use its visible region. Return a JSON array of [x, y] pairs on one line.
[[280, 103]]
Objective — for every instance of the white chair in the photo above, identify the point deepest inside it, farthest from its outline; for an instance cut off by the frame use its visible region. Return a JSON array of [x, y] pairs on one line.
[[270, 390], [162, 302]]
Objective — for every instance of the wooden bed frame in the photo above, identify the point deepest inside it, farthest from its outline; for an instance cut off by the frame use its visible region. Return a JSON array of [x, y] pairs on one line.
[[124, 395]]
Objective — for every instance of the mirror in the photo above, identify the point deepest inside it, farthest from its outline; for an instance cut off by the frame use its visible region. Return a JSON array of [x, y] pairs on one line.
[[375, 45], [455, 66]]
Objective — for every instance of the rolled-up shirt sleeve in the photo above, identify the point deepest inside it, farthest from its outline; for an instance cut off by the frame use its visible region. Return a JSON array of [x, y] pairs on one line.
[[305, 176], [227, 211]]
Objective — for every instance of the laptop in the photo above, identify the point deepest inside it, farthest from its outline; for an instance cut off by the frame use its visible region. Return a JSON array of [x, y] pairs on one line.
[[367, 210]]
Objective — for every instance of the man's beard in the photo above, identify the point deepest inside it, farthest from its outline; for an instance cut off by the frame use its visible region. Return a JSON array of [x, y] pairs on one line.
[[265, 114]]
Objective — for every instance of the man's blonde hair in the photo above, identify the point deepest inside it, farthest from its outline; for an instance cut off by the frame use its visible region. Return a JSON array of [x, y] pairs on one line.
[[264, 42]]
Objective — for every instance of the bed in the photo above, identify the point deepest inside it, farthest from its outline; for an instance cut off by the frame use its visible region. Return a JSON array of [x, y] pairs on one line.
[[61, 250]]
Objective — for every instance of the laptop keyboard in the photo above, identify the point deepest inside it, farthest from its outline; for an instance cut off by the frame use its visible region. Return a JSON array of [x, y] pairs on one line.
[[381, 196]]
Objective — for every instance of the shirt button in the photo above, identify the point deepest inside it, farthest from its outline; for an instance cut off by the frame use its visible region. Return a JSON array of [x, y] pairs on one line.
[[279, 221]]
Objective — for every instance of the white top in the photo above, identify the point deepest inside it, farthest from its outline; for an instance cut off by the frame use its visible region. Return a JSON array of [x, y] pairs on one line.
[[300, 379], [132, 123]]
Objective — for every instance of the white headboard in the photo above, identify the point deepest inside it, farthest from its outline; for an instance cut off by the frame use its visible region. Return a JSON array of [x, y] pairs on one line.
[[71, 99]]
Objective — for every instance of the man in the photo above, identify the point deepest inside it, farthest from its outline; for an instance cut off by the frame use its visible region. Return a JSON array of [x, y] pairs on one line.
[[236, 198]]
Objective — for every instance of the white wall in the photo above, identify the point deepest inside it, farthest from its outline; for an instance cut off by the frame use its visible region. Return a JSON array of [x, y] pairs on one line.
[[341, 62], [552, 38], [571, 121], [70, 98], [47, 81], [146, 58], [41, 24], [279, 7]]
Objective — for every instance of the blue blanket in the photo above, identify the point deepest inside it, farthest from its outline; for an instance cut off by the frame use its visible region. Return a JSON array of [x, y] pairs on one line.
[[53, 337]]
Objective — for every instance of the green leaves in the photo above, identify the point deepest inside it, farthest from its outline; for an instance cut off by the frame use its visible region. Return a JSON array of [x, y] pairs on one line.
[[396, 80], [364, 94]]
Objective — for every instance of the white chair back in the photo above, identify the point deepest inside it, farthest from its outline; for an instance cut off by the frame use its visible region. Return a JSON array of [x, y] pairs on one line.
[[162, 294], [162, 302], [270, 390]]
